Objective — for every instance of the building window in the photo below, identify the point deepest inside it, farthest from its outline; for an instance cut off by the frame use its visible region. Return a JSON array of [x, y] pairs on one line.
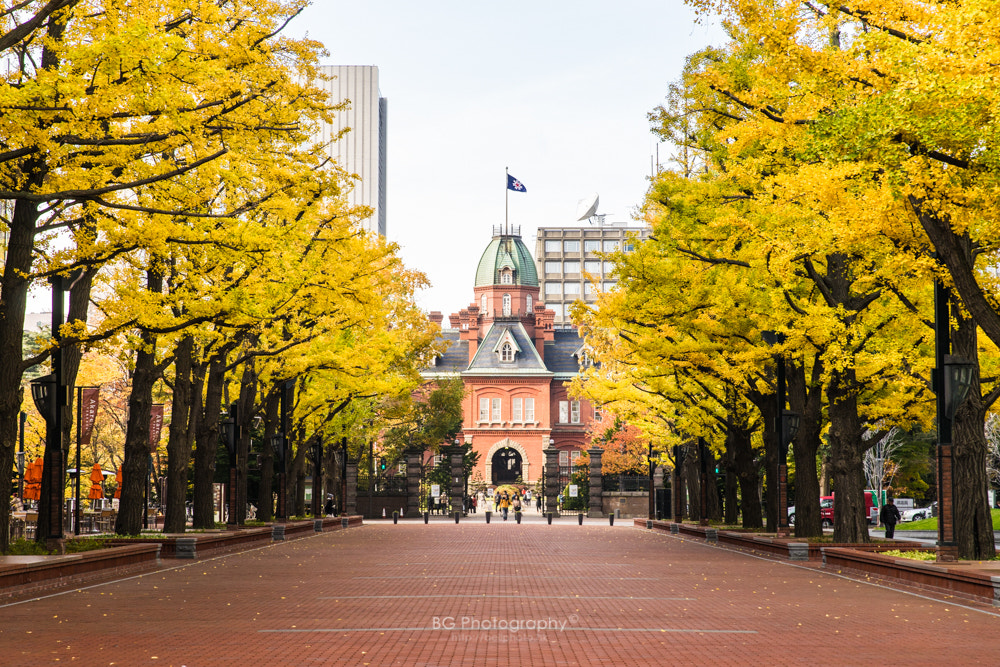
[[574, 416], [482, 304], [571, 246], [552, 288], [484, 409], [529, 306], [529, 409], [597, 413], [609, 285], [592, 266], [592, 246], [611, 246], [553, 267], [563, 412], [506, 352], [571, 267], [557, 308], [506, 277], [571, 288], [563, 458], [496, 409], [552, 246], [515, 410], [609, 267], [506, 305], [588, 288], [575, 457], [628, 246]]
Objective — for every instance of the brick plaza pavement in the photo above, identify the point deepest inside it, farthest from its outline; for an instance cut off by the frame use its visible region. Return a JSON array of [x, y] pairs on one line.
[[497, 594]]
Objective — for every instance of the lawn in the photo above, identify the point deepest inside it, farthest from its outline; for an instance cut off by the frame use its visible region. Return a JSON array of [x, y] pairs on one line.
[[932, 524]]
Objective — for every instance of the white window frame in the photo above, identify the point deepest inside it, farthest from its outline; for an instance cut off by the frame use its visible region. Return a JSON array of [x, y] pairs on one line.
[[529, 409], [553, 245], [592, 245], [592, 266], [553, 288], [563, 458], [506, 305], [571, 289], [574, 412], [516, 413], [497, 414], [612, 246], [506, 277], [530, 306], [507, 352], [483, 304], [553, 267], [484, 409], [571, 266], [571, 246], [563, 412]]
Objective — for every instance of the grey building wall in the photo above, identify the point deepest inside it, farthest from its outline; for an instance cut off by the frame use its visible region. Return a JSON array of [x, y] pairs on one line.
[[565, 256], [363, 150]]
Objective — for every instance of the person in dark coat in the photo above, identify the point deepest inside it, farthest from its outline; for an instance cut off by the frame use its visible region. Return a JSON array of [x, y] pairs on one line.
[[889, 517]]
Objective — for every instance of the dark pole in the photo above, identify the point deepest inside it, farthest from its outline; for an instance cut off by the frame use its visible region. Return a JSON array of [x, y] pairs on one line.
[[703, 481], [371, 477], [343, 476], [652, 491], [947, 547], [79, 443], [20, 457], [317, 502], [53, 464], [779, 430]]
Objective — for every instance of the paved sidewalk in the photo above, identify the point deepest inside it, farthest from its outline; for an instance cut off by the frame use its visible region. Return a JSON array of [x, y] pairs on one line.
[[498, 594]]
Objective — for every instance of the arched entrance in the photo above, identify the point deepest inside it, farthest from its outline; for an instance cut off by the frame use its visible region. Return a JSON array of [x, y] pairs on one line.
[[506, 464]]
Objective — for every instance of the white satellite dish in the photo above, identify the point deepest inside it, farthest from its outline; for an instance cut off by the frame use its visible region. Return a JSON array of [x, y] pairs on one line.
[[587, 207]]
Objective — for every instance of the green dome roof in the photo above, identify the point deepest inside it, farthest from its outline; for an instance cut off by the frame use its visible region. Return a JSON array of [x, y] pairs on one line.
[[506, 251]]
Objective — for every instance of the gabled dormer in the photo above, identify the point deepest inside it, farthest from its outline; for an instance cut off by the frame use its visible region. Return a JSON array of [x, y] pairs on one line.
[[507, 349]]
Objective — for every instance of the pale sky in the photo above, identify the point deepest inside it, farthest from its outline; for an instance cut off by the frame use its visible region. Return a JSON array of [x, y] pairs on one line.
[[555, 90]]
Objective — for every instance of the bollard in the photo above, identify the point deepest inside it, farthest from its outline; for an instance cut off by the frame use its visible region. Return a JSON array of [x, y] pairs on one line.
[[318, 525], [457, 514], [427, 516], [488, 515], [344, 521], [517, 515], [580, 518], [395, 517], [550, 518], [612, 519]]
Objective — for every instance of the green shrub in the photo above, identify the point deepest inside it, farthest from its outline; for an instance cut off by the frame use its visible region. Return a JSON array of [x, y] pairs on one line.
[[23, 547]]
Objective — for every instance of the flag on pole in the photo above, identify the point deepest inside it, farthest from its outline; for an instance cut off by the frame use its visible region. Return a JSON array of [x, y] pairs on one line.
[[515, 185]]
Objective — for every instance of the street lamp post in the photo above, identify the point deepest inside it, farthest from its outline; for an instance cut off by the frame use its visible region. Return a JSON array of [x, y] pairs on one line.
[[20, 457], [652, 490], [278, 444], [317, 499], [951, 380], [229, 429], [786, 425]]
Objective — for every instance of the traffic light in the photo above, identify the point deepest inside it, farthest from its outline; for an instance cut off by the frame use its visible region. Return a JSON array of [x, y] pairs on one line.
[[381, 465]]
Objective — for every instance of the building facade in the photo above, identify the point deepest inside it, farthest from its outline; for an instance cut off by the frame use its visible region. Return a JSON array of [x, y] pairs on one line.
[[566, 258], [363, 150], [515, 366]]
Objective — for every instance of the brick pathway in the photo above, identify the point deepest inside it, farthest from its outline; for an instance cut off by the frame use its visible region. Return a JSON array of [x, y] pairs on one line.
[[498, 594]]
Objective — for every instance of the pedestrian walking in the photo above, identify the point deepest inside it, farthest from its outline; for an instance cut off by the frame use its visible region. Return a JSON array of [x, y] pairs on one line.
[[538, 502], [328, 508], [504, 504], [890, 517]]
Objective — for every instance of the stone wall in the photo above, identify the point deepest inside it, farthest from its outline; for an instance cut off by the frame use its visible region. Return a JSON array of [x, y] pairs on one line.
[[631, 503]]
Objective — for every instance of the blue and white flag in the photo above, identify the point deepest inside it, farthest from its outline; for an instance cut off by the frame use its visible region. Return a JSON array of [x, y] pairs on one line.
[[515, 185]]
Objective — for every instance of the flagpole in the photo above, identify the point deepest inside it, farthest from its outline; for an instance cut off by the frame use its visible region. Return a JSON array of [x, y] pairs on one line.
[[506, 196]]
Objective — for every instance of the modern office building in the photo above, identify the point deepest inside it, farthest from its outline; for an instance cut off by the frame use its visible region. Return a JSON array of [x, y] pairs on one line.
[[567, 257], [362, 150]]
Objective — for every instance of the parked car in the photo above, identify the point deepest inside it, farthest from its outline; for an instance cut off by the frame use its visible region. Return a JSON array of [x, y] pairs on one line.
[[915, 514], [825, 512]]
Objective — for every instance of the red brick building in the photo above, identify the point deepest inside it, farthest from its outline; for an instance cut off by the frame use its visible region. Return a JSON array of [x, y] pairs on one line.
[[515, 366]]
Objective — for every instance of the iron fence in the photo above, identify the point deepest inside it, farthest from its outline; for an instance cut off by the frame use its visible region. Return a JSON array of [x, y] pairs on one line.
[[381, 485], [625, 483]]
